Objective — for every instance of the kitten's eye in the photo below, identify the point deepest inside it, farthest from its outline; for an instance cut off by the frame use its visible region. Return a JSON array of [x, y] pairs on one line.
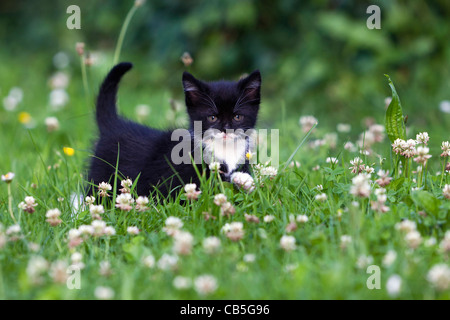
[[212, 118], [238, 117]]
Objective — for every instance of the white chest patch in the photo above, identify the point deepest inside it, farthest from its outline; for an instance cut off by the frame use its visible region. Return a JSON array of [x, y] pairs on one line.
[[229, 149]]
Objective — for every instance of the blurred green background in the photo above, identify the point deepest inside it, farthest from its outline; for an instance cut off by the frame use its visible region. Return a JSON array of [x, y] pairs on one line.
[[316, 57]]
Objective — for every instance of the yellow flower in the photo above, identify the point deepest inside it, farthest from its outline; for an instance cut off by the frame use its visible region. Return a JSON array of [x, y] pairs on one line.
[[24, 117], [249, 155], [69, 151]]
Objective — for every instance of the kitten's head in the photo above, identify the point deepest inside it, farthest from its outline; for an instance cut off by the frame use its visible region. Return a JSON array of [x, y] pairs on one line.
[[227, 111], [223, 105]]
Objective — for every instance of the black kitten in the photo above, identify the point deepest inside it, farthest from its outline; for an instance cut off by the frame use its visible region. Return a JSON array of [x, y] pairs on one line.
[[151, 156]]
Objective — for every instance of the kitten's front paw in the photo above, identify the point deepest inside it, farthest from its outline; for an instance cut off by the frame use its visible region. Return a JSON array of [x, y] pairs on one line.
[[243, 180]]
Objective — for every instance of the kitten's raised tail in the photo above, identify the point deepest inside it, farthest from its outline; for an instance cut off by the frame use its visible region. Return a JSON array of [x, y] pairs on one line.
[[106, 101]]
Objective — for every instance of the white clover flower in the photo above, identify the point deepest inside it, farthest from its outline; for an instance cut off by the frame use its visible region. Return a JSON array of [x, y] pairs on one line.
[[103, 189], [59, 80], [76, 257], [205, 284], [268, 171], [294, 164], [190, 187], [28, 204], [96, 210], [220, 199], [330, 139], [234, 230], [364, 261], [105, 269], [430, 242], [360, 185], [211, 244], [53, 217], [141, 203], [409, 148], [126, 185], [182, 283], [343, 127], [191, 192], [377, 130], [413, 239], [89, 200], [268, 218], [37, 265], [98, 227], [406, 226], [86, 230], [183, 242], [444, 106], [302, 218], [422, 155], [287, 243], [124, 201], [307, 122], [384, 179], [389, 258], [214, 166], [172, 225], [243, 180], [444, 245], [142, 111], [133, 230], [52, 124], [168, 262], [58, 272], [357, 165], [332, 160], [422, 138], [251, 218], [350, 146], [439, 276], [369, 169], [109, 231], [446, 191], [61, 60], [345, 241], [445, 147], [322, 197], [10, 103], [249, 258], [58, 98], [149, 261], [73, 234], [394, 285], [104, 293], [397, 146]]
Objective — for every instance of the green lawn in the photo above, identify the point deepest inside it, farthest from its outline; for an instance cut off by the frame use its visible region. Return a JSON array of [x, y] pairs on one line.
[[325, 256]]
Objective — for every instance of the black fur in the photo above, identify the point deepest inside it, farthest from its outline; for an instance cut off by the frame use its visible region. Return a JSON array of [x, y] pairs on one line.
[[146, 152]]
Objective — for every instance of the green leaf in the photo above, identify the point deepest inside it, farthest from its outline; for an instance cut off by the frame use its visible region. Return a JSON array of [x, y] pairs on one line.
[[396, 184], [427, 201], [394, 123]]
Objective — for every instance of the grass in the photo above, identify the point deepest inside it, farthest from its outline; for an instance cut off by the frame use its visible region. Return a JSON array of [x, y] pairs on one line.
[[322, 265]]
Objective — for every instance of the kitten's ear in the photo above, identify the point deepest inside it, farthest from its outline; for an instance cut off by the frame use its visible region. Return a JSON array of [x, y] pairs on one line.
[[192, 88], [251, 85]]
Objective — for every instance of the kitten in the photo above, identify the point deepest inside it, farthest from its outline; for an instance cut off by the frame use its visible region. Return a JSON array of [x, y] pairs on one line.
[[147, 155]]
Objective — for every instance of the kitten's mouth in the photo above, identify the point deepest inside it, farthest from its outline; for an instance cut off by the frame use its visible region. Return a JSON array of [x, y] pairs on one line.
[[226, 136]]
